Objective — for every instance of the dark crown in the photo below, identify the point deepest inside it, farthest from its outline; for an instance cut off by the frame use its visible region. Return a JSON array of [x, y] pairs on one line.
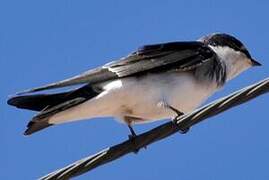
[[221, 39]]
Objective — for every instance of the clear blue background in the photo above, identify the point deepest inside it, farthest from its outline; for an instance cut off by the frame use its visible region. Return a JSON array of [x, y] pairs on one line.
[[46, 41]]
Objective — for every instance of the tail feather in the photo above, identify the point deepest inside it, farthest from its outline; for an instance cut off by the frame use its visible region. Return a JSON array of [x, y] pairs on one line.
[[50, 104], [41, 120], [37, 102], [34, 126]]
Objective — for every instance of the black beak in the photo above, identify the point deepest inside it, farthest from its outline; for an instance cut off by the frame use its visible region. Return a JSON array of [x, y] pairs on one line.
[[255, 63]]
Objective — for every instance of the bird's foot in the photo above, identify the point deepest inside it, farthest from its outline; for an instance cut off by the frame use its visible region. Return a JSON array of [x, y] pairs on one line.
[[179, 113], [132, 137], [184, 131], [181, 130]]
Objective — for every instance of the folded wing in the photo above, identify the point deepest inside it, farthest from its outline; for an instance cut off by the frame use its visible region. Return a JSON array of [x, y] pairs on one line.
[[150, 58]]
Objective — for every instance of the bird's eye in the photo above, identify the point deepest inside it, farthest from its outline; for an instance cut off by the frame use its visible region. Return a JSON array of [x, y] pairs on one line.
[[213, 44]]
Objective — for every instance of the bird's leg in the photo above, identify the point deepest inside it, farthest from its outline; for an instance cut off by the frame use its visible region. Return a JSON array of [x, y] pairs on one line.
[[179, 113], [129, 120], [133, 134]]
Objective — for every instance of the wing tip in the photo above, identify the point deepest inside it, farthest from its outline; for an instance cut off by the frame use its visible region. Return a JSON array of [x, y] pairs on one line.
[[40, 88], [29, 91]]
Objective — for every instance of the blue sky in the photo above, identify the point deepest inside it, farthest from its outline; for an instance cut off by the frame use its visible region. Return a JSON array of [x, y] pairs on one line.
[[46, 41]]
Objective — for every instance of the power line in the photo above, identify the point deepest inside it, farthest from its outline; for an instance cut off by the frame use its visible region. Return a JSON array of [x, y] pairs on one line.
[[181, 123]]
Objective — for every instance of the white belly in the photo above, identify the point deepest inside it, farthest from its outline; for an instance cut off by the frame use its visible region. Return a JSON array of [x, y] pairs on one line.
[[145, 97], [142, 97]]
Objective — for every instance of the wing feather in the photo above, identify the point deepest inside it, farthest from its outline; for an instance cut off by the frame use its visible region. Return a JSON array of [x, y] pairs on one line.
[[175, 55]]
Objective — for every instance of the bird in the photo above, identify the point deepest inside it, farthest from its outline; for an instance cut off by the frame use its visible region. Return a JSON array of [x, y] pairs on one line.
[[155, 82]]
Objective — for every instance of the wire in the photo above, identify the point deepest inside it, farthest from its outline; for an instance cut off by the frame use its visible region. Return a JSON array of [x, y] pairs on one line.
[[180, 123]]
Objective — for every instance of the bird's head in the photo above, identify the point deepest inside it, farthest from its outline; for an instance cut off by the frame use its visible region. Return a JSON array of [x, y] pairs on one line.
[[230, 51]]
